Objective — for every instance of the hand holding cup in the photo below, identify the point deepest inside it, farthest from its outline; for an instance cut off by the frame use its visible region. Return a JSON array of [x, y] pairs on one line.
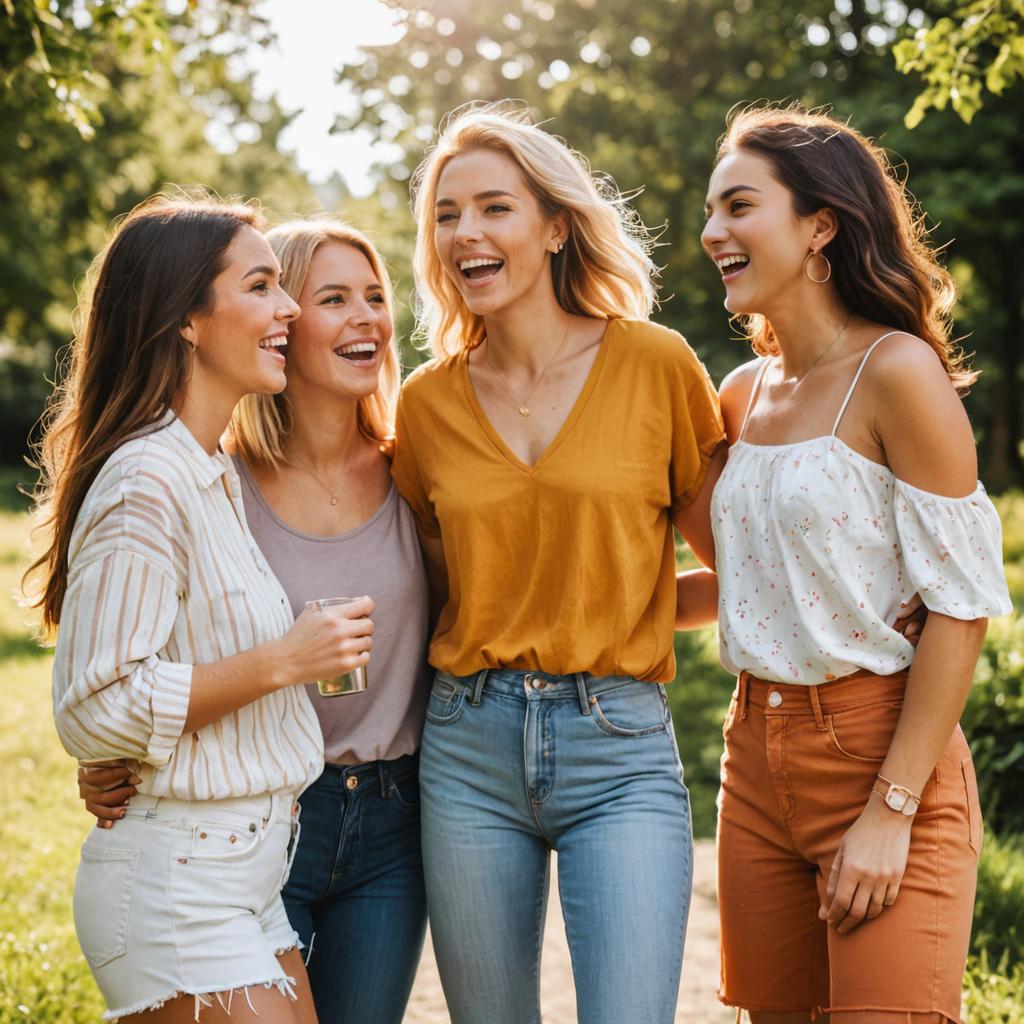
[[330, 638]]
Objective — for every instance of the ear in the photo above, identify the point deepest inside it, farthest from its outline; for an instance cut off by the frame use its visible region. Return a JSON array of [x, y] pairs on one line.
[[189, 333], [559, 228], [825, 227]]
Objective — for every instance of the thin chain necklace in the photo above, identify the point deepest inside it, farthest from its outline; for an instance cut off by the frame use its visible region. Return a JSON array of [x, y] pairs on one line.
[[306, 469], [825, 351], [524, 406]]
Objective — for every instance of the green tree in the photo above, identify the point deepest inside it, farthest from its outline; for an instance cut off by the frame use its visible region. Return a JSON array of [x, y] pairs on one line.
[[980, 47], [162, 86], [643, 91]]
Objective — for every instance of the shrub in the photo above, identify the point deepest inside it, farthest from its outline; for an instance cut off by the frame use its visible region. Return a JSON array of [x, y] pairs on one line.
[[999, 906]]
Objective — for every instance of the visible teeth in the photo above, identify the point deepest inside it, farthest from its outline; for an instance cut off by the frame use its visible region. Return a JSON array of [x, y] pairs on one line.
[[355, 347], [273, 342], [728, 261], [472, 264]]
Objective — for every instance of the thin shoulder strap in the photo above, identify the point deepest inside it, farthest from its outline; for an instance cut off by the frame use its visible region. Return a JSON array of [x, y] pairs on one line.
[[856, 377], [753, 394]]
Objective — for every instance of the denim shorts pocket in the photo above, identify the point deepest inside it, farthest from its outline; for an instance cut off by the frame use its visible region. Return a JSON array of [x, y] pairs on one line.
[[631, 712], [865, 733], [217, 841], [102, 902], [975, 826], [446, 702]]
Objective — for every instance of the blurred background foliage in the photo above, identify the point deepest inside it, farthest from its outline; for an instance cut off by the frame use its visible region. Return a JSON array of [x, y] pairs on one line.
[[103, 102]]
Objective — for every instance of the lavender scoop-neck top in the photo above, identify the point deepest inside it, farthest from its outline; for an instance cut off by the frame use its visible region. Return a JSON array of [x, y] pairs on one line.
[[381, 558]]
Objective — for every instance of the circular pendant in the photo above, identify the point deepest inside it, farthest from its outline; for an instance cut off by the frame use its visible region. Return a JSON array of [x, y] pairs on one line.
[[523, 411], [334, 500]]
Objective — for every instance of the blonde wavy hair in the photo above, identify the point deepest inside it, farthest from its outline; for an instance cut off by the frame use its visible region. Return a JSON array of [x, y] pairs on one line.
[[261, 422], [605, 269]]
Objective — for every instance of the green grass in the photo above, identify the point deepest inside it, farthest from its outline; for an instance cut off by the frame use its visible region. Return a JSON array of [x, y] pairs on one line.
[[43, 978]]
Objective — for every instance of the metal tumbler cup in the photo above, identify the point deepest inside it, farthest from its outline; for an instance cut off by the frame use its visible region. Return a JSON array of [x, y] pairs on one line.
[[353, 681]]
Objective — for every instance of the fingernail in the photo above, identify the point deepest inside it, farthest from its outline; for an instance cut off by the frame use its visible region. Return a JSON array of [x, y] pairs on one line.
[[124, 811], [134, 779]]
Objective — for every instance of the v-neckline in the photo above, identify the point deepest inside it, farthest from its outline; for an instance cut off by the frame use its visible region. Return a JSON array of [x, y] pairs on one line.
[[568, 423]]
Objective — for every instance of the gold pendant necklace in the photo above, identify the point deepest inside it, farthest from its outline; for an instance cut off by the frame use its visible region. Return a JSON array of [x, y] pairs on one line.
[[524, 403], [306, 469]]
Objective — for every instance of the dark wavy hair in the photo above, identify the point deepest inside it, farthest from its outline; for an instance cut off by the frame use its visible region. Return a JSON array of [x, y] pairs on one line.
[[128, 362], [883, 266]]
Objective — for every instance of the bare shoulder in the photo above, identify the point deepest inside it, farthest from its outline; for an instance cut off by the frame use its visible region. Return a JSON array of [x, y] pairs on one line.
[[919, 417], [734, 394]]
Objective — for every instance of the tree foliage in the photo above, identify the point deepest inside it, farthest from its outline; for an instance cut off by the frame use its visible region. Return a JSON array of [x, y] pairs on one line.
[[981, 46], [643, 90], [101, 105]]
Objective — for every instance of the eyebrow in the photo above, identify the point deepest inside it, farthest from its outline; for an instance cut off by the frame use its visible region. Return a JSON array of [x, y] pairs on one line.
[[261, 270], [346, 288], [493, 193], [737, 188]]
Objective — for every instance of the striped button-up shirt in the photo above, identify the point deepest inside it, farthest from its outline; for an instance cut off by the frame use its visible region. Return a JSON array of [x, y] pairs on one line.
[[164, 575]]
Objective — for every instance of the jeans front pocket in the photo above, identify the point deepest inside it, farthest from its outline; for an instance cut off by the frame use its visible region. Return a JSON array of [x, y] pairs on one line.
[[446, 702], [633, 710], [863, 733], [102, 902]]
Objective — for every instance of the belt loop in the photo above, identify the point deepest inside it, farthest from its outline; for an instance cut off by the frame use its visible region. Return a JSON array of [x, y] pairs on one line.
[[819, 718], [478, 688], [581, 689], [743, 698], [382, 781]]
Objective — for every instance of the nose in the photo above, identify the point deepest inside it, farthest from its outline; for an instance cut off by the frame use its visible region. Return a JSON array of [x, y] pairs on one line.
[[714, 231], [288, 308], [467, 230]]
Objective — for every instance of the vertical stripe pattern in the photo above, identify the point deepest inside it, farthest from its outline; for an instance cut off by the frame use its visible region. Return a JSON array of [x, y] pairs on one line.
[[164, 574]]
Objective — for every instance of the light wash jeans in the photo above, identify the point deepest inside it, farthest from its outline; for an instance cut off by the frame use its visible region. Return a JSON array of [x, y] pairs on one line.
[[515, 764]]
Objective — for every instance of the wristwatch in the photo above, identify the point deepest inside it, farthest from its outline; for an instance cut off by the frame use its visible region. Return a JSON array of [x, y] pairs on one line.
[[898, 798]]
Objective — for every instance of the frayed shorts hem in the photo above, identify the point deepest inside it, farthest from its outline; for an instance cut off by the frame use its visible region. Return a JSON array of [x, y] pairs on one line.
[[284, 983]]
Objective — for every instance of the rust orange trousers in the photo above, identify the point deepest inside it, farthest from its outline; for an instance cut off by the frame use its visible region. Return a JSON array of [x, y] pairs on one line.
[[799, 765]]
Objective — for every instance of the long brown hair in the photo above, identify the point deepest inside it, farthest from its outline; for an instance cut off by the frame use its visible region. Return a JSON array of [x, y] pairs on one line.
[[128, 362], [261, 422], [883, 266]]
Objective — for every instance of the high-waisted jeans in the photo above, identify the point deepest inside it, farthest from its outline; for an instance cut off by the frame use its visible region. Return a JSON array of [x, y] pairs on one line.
[[515, 764], [355, 892]]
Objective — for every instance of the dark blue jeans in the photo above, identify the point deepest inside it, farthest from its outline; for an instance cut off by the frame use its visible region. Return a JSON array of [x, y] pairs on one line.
[[355, 892]]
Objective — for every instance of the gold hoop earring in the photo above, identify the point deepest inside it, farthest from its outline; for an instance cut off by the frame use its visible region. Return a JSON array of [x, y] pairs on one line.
[[828, 272]]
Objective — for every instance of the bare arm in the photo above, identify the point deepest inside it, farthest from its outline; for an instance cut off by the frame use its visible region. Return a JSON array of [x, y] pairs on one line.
[[320, 644], [923, 429]]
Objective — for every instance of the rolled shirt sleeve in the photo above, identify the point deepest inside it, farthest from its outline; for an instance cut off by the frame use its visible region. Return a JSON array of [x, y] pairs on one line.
[[114, 694]]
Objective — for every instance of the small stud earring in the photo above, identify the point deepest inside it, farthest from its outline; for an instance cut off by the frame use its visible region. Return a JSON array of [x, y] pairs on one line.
[[561, 246]]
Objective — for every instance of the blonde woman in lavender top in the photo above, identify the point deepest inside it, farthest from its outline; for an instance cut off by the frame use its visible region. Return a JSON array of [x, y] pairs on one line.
[[849, 824]]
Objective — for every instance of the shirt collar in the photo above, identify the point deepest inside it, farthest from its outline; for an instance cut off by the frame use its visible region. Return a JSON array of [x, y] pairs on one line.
[[206, 468]]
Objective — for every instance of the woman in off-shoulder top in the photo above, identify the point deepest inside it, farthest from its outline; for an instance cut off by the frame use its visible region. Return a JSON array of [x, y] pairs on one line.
[[849, 824]]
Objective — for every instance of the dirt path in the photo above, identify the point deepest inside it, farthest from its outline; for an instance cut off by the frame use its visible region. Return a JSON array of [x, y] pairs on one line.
[[697, 1003]]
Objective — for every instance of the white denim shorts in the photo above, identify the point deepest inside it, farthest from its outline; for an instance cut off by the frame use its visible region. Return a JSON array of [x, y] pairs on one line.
[[184, 898]]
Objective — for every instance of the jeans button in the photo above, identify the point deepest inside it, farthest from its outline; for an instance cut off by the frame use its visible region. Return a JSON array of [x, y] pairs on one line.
[[538, 684], [351, 782], [774, 699]]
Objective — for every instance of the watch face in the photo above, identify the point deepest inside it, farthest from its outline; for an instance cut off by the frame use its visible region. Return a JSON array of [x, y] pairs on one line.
[[896, 800]]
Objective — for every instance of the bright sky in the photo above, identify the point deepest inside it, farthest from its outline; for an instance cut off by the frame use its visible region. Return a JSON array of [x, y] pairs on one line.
[[314, 38]]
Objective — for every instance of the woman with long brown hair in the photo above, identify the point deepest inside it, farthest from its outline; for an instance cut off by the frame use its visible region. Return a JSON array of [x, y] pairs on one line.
[[176, 647], [849, 824]]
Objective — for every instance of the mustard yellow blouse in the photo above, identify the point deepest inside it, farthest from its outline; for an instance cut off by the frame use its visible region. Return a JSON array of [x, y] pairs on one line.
[[568, 565]]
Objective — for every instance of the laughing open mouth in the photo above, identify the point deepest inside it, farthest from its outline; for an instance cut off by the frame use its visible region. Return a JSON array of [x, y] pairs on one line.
[[480, 269], [731, 264], [278, 344], [357, 351]]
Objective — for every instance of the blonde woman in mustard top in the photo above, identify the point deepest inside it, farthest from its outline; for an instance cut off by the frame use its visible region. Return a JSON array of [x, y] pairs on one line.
[[849, 824], [547, 453]]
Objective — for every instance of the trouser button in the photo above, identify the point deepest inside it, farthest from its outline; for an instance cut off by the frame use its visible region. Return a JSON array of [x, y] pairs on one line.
[[774, 699]]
